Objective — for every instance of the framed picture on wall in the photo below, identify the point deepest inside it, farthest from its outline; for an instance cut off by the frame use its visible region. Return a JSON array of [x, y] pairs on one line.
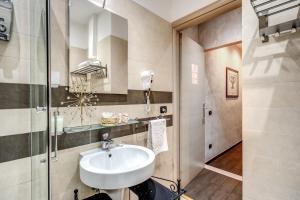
[[232, 83]]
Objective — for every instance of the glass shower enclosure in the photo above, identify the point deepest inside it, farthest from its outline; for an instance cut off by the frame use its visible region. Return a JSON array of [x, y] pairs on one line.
[[26, 150], [24, 100], [39, 94], [39, 97]]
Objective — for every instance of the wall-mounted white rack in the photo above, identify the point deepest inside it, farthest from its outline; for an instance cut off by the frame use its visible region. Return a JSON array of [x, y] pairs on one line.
[[91, 69], [266, 8]]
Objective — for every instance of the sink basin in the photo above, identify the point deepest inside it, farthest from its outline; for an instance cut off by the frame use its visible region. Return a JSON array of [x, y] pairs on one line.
[[123, 166]]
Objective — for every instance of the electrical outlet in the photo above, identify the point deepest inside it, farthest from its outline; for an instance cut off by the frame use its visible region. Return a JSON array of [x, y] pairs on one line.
[[163, 109], [209, 146]]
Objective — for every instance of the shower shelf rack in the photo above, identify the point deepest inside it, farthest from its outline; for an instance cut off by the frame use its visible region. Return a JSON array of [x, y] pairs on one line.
[[266, 8], [90, 69]]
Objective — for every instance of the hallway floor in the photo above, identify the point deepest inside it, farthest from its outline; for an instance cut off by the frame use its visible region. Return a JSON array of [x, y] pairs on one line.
[[230, 161], [210, 185]]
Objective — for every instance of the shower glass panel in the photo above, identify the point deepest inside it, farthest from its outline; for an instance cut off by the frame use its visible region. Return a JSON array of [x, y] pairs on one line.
[[24, 134], [38, 95]]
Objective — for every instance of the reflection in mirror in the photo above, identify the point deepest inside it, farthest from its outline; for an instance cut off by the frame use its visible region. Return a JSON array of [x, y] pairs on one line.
[[98, 51]]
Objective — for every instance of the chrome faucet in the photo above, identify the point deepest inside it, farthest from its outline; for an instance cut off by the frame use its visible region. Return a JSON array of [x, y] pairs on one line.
[[107, 143]]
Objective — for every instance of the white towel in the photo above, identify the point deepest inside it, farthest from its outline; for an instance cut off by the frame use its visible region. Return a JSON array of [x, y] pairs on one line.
[[157, 136], [90, 62]]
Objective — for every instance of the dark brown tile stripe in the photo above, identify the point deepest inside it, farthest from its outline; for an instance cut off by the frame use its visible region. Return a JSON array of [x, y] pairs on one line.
[[13, 96], [138, 97], [19, 146], [16, 96], [61, 93], [133, 97], [66, 141], [39, 141], [15, 147]]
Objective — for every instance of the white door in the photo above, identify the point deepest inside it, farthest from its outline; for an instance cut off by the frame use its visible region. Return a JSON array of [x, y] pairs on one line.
[[192, 98]]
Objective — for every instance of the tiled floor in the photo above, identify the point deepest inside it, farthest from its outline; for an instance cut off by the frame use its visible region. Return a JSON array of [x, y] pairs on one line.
[[209, 185], [230, 161]]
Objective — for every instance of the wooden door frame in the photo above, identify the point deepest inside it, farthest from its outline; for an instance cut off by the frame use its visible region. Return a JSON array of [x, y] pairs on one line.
[[206, 13]]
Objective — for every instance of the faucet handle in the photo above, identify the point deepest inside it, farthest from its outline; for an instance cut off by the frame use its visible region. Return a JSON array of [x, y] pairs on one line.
[[105, 136]]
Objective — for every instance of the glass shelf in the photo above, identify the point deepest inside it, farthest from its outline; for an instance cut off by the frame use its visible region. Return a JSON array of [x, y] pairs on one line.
[[92, 127]]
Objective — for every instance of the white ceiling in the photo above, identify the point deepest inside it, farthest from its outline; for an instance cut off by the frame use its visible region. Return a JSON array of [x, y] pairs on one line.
[[171, 10], [159, 7], [82, 10]]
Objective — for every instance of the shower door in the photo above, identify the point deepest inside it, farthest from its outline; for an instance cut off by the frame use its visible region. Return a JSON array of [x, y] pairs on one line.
[[38, 52]]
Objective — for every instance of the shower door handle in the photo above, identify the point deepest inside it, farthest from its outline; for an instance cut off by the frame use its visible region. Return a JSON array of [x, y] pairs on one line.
[[203, 113], [54, 157], [40, 109]]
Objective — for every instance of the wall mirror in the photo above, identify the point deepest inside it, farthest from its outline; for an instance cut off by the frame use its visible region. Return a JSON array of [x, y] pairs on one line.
[[98, 49]]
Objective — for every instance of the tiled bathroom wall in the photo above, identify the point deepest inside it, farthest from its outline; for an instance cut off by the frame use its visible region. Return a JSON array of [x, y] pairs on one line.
[[271, 111], [150, 47]]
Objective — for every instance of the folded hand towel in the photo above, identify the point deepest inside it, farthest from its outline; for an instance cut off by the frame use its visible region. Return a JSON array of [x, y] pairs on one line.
[[157, 136], [90, 62]]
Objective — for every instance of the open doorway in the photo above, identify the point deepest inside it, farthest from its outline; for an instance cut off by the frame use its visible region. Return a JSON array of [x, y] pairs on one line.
[[211, 108]]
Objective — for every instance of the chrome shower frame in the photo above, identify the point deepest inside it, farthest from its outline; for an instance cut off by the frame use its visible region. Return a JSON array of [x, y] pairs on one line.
[[49, 101]]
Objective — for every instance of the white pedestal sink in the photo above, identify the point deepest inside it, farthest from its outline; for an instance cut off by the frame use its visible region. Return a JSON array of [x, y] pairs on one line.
[[121, 167]]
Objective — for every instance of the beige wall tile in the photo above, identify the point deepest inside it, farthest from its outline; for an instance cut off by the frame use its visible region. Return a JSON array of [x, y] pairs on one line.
[[10, 117], [272, 95], [17, 192], [13, 70], [277, 120], [15, 172], [18, 121], [15, 179], [17, 47]]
